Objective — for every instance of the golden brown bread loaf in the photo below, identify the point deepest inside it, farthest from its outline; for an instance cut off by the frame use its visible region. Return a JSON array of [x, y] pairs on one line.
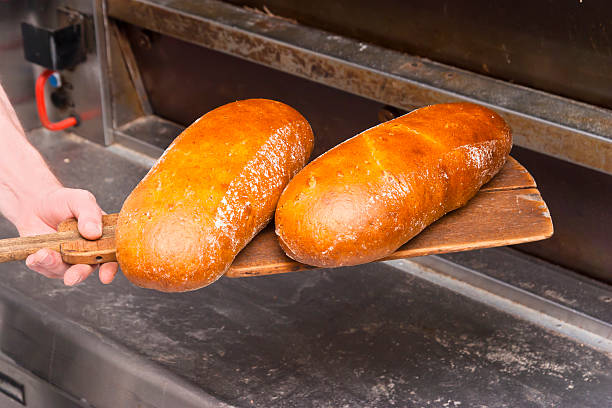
[[211, 192], [366, 197]]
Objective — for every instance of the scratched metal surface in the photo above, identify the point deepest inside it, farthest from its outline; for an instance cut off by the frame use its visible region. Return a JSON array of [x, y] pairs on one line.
[[546, 123], [360, 336]]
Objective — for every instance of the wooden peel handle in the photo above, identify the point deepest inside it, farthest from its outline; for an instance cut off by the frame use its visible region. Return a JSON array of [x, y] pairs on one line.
[[18, 249], [67, 240]]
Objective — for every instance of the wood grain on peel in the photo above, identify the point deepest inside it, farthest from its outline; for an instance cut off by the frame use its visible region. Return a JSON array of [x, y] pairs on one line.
[[512, 175], [83, 251], [67, 238]]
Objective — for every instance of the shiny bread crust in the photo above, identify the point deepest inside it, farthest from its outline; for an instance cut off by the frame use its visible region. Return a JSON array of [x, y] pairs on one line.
[[366, 197], [211, 192]]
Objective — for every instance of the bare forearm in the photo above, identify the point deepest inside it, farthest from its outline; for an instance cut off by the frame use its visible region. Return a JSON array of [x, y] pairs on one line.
[[23, 172]]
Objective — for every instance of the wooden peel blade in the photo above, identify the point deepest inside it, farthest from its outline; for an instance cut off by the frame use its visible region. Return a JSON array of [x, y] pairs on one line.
[[508, 210]]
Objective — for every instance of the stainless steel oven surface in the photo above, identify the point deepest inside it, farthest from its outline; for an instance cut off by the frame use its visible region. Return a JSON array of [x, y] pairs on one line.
[[528, 325]]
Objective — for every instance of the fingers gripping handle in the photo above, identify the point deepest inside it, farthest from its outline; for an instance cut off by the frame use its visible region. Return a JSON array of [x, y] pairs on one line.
[[74, 248]]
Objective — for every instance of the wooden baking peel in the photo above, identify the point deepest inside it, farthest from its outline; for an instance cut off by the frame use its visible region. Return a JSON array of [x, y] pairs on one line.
[[506, 211]]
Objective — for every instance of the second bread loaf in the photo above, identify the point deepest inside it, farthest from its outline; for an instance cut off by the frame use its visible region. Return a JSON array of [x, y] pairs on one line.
[[366, 197]]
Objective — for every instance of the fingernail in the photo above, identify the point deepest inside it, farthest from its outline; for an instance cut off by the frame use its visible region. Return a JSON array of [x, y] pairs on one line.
[[73, 281], [46, 260], [93, 228]]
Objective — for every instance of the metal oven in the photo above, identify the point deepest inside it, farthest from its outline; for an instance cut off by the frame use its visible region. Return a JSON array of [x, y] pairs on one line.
[[529, 325]]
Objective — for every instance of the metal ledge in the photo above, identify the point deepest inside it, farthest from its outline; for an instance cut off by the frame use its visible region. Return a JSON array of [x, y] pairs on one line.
[[506, 296], [149, 135], [546, 123]]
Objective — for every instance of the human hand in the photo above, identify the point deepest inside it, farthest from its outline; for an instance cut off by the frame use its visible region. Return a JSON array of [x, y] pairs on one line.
[[33, 199], [44, 214]]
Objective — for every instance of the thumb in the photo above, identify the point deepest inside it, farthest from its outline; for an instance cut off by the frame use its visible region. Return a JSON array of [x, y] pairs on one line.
[[85, 209]]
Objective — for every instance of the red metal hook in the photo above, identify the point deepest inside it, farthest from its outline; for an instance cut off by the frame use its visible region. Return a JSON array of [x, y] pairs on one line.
[[42, 109]]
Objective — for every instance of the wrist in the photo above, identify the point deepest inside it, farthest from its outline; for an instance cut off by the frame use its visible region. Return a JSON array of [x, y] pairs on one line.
[[25, 180]]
